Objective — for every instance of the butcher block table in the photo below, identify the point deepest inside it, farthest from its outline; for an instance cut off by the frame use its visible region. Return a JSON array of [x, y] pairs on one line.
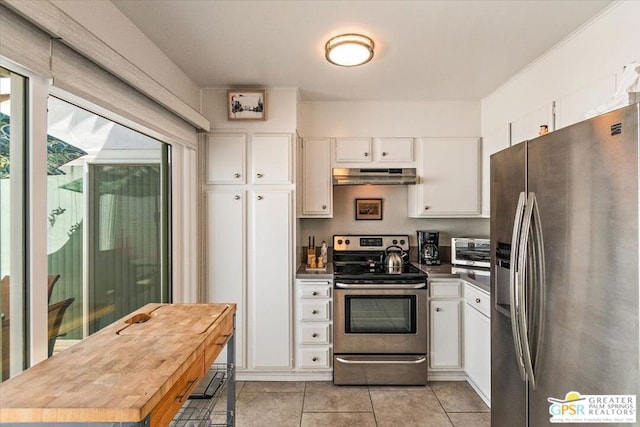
[[137, 371]]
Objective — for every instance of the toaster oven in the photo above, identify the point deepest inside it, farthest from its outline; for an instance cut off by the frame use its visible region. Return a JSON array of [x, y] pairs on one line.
[[474, 252]]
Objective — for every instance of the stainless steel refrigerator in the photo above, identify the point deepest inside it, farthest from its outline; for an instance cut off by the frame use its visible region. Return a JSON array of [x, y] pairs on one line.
[[565, 254]]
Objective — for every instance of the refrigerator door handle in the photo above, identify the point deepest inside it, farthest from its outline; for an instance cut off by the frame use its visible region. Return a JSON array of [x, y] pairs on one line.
[[514, 302], [531, 224]]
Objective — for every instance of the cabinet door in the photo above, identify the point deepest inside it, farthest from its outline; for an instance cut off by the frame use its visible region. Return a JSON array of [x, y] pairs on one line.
[[581, 104], [477, 349], [317, 188], [491, 144], [396, 150], [270, 279], [527, 126], [226, 156], [449, 179], [226, 256], [445, 334], [271, 159], [353, 150]]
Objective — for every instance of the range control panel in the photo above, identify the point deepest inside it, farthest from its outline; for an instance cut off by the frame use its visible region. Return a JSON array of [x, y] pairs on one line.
[[358, 242]]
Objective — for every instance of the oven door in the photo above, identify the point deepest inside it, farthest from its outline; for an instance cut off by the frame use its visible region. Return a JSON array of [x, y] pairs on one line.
[[380, 320]]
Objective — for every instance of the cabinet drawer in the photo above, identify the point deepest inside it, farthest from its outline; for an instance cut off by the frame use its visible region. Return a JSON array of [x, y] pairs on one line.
[[315, 358], [315, 310], [477, 299], [315, 291], [315, 334], [178, 394], [444, 290]]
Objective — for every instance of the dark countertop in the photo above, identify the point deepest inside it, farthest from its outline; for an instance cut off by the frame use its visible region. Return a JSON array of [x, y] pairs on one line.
[[443, 271], [433, 271], [303, 273]]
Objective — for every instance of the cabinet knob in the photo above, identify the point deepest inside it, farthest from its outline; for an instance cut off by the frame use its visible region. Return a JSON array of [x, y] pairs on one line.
[[426, 208], [236, 197], [315, 335], [258, 175], [384, 153], [366, 154], [315, 293], [236, 175], [314, 312], [260, 197], [438, 309], [315, 359], [324, 207], [478, 300]]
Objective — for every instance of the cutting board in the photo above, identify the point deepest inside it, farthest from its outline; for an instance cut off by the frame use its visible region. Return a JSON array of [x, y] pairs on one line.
[[172, 320]]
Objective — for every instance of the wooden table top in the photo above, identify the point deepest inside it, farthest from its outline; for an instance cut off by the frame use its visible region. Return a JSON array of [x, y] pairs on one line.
[[119, 373]]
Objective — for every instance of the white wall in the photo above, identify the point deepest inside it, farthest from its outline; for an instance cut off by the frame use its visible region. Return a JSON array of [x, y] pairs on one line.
[[106, 21], [597, 51], [344, 119], [281, 110]]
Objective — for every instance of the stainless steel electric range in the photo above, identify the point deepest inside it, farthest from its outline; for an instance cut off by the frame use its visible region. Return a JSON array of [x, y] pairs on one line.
[[380, 312]]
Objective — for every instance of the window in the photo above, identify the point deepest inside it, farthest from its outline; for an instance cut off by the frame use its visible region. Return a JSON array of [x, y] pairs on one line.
[[108, 213], [12, 221]]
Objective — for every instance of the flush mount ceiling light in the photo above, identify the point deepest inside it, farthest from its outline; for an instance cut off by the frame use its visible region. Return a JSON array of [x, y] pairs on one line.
[[349, 50]]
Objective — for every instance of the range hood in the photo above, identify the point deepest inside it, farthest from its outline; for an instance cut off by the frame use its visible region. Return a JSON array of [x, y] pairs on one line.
[[374, 176]]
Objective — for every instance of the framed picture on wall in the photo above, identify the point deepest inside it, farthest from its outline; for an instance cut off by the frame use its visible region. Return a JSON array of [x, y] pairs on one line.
[[368, 209], [247, 104]]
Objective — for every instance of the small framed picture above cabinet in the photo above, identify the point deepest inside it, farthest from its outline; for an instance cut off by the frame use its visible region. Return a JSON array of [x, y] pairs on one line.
[[247, 104]]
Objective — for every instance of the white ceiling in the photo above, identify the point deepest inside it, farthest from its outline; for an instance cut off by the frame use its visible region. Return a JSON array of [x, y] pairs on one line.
[[458, 50]]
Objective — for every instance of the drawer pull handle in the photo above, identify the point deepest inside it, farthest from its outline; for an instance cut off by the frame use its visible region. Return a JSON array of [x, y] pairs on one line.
[[366, 154], [324, 207], [384, 154], [236, 197], [438, 309], [236, 175], [315, 293], [314, 311], [259, 175], [315, 335], [315, 359], [478, 300]]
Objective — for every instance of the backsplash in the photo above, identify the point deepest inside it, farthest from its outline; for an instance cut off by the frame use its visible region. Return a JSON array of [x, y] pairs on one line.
[[394, 218]]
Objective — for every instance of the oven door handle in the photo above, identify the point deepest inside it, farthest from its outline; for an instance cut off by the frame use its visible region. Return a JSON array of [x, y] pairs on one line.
[[382, 362], [380, 286]]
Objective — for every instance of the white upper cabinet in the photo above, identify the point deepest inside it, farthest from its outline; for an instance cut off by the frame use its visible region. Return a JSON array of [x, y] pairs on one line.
[[574, 107], [316, 194], [449, 178], [353, 150], [396, 150], [528, 126], [492, 143], [226, 156], [391, 150], [271, 159]]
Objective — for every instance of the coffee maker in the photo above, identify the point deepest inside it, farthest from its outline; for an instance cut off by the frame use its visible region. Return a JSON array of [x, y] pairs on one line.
[[428, 250]]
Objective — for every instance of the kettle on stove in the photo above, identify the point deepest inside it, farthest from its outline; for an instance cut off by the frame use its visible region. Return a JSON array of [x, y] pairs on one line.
[[394, 259]]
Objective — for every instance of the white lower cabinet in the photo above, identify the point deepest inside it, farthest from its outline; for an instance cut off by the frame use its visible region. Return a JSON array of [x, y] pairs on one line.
[[477, 340], [445, 338], [270, 277], [249, 262], [313, 327]]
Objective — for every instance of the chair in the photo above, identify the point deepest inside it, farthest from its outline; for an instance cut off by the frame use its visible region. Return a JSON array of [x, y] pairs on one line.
[[56, 314], [51, 281]]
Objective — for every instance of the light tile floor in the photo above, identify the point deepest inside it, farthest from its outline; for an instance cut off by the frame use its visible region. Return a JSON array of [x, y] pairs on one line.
[[321, 404]]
